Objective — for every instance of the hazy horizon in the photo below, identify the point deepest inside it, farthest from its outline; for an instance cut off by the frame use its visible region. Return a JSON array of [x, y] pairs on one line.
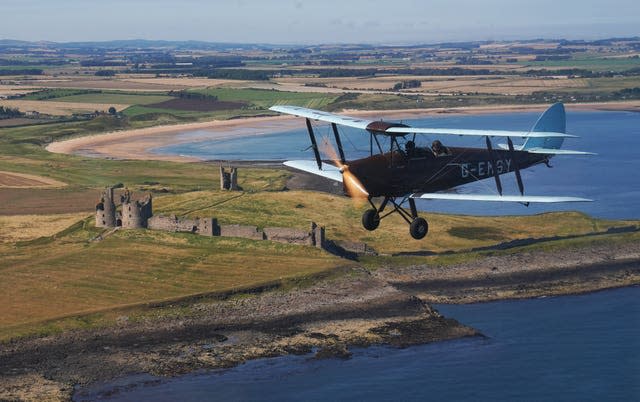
[[308, 22]]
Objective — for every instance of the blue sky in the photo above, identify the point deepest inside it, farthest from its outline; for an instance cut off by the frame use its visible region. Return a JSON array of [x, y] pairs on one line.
[[328, 21]]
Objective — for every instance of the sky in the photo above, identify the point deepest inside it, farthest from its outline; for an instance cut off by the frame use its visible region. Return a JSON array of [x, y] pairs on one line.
[[315, 22]]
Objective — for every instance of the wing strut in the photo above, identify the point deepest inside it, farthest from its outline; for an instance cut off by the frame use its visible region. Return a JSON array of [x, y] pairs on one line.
[[338, 142], [494, 164], [314, 144], [516, 168]]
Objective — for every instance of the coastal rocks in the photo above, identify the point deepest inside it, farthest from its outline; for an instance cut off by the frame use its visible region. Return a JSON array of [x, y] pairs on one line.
[[334, 350], [427, 329], [328, 316], [532, 273]]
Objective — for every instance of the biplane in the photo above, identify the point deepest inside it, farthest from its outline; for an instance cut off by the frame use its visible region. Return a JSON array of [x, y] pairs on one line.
[[397, 171]]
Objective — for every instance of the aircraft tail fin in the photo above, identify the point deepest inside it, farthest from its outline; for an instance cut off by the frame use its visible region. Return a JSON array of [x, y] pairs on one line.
[[554, 120]]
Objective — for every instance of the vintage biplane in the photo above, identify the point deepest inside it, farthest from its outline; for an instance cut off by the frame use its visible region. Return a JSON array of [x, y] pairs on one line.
[[398, 171]]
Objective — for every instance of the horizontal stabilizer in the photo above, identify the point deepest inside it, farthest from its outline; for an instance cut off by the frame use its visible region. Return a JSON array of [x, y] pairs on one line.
[[548, 151], [551, 151], [493, 197], [328, 171]]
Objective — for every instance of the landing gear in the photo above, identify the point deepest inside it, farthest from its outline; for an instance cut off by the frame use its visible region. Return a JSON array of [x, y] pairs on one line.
[[371, 219], [418, 227]]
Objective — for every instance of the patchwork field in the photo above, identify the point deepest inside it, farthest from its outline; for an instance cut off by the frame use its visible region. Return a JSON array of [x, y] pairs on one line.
[[23, 180], [507, 85], [60, 108], [14, 228]]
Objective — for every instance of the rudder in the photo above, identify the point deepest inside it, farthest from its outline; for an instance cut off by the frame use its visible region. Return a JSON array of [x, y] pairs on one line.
[[552, 120]]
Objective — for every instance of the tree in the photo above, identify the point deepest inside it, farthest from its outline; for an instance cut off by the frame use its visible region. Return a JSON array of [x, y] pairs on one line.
[[112, 110]]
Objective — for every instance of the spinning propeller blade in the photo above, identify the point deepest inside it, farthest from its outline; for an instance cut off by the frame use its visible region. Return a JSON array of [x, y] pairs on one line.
[[353, 186]]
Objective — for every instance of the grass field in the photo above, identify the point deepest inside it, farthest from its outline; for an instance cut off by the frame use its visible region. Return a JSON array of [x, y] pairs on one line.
[[590, 62], [56, 107], [265, 98], [114, 97], [14, 228], [45, 279], [69, 275]]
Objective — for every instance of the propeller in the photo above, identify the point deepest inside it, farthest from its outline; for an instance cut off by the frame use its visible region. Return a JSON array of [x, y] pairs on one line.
[[353, 186]]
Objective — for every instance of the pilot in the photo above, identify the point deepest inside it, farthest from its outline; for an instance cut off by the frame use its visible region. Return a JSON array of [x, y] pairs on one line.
[[410, 148], [439, 149]]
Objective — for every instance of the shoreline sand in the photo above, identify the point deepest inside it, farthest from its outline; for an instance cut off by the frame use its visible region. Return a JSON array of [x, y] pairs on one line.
[[136, 144]]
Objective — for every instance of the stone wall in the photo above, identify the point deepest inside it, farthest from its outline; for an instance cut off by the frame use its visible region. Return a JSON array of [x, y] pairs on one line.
[[248, 232], [289, 235], [172, 223]]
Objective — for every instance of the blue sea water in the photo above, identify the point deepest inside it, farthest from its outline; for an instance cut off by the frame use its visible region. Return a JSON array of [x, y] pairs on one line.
[[610, 178], [569, 348]]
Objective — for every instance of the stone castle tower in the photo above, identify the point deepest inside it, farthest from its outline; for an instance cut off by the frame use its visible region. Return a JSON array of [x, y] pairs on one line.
[[106, 210], [229, 180], [135, 214]]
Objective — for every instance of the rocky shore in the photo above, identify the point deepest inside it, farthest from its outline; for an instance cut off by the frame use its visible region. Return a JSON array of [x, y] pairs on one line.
[[357, 307]]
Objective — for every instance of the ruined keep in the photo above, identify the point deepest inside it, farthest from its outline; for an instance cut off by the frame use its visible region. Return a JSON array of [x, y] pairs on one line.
[[229, 180], [106, 210], [134, 214]]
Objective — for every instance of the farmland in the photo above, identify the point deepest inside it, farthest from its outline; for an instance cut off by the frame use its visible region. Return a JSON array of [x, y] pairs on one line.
[[61, 272]]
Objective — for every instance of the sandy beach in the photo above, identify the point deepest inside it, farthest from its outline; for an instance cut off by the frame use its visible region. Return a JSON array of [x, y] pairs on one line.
[[136, 144]]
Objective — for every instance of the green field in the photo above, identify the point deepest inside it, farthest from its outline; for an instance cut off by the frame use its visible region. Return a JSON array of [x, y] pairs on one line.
[[116, 98], [265, 98], [142, 116], [73, 275], [591, 63]]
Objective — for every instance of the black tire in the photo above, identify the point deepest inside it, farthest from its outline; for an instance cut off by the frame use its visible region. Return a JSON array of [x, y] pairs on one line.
[[370, 219], [419, 228]]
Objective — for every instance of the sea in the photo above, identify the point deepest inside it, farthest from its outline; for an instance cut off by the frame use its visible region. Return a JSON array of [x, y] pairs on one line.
[[568, 348], [578, 347]]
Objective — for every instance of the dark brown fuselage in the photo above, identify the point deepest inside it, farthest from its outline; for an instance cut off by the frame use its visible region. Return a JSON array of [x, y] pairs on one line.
[[396, 174]]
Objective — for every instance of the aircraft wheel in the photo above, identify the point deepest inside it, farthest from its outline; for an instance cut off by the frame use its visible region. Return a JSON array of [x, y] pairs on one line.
[[370, 219], [419, 228]]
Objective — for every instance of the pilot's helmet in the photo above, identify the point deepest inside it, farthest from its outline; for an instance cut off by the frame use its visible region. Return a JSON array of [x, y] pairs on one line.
[[410, 145]]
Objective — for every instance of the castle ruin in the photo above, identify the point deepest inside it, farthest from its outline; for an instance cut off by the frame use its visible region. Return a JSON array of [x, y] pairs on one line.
[[139, 214], [229, 180], [133, 214], [106, 210]]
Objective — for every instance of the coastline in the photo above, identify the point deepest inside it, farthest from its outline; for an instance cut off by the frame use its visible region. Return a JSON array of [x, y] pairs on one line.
[[136, 144], [354, 307]]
